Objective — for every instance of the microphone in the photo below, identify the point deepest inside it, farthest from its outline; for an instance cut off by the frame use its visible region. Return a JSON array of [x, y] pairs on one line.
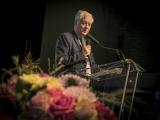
[[121, 55], [93, 39], [118, 51]]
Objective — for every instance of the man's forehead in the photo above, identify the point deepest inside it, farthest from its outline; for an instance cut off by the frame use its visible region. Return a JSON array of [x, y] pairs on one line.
[[87, 18]]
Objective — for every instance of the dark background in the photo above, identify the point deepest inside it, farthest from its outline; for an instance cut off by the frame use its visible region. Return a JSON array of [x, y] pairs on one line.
[[126, 25], [22, 25]]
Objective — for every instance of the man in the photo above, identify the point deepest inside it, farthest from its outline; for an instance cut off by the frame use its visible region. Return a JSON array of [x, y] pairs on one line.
[[73, 49]]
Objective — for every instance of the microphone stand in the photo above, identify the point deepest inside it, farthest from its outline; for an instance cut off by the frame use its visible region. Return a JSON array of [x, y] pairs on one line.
[[119, 52], [124, 91]]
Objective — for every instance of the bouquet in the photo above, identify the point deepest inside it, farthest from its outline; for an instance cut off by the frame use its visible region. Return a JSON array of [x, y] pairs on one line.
[[45, 97]]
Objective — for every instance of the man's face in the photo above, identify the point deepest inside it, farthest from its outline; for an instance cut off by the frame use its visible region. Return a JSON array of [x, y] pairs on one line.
[[85, 25]]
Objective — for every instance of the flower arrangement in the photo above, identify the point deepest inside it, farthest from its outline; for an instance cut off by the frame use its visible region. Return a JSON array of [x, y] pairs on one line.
[[68, 97], [26, 93], [39, 96]]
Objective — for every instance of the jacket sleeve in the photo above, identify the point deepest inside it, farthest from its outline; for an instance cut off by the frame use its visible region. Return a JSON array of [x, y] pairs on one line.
[[66, 51], [61, 50]]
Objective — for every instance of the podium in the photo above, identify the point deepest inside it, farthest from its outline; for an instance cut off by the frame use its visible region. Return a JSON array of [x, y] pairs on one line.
[[119, 74]]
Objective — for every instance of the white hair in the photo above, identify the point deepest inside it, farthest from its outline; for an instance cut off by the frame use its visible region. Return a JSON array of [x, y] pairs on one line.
[[81, 14]]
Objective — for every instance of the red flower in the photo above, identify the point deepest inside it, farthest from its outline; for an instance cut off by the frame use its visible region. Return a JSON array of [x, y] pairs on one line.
[[104, 113]]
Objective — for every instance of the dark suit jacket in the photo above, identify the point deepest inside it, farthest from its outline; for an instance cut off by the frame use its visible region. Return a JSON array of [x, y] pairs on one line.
[[68, 52]]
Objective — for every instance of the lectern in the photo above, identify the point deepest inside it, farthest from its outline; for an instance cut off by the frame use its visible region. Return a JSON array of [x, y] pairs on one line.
[[119, 74]]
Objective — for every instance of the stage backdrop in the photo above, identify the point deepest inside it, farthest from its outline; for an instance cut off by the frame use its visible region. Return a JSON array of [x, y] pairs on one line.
[[117, 25]]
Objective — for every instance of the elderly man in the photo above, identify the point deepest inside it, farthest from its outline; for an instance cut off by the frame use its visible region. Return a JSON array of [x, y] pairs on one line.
[[73, 49]]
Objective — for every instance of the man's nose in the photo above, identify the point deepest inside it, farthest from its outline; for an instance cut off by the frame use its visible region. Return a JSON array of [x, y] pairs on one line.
[[87, 26]]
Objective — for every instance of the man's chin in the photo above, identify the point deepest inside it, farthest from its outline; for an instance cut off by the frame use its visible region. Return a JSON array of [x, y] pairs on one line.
[[84, 34]]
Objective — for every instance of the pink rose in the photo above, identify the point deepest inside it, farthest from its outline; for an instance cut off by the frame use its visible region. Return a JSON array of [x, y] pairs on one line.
[[54, 92], [62, 107], [40, 101]]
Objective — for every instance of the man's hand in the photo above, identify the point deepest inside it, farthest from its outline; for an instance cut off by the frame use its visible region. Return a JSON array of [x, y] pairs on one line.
[[86, 50]]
